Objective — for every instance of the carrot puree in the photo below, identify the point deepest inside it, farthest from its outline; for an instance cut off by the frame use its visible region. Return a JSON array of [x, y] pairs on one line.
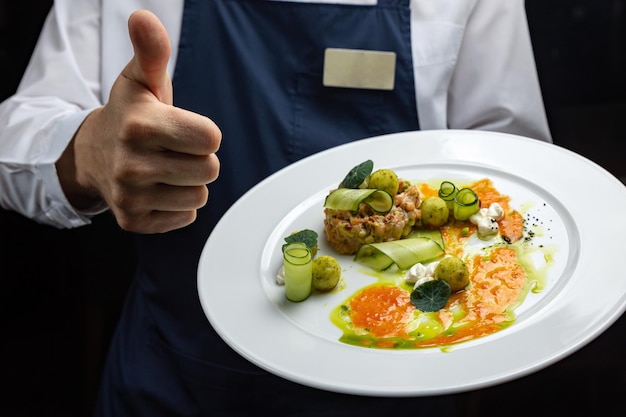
[[383, 310], [381, 314]]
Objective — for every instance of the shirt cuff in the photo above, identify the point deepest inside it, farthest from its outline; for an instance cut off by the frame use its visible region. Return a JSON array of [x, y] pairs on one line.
[[59, 211]]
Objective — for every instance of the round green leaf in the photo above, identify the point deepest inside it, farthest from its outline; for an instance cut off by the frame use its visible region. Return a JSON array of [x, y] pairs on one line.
[[431, 295]]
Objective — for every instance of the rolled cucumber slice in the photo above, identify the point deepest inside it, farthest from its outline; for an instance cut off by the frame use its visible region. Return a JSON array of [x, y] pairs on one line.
[[404, 253], [298, 267], [466, 203], [447, 192]]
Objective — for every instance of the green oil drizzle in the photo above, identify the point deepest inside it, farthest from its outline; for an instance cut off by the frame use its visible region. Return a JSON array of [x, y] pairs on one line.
[[426, 326]]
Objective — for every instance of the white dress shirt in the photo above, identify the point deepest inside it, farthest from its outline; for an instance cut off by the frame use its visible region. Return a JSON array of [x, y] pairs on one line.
[[473, 63]]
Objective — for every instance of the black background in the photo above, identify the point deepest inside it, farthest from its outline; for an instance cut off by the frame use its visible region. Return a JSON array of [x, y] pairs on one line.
[[61, 290]]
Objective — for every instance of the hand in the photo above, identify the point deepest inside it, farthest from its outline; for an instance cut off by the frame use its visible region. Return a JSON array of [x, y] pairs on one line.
[[148, 160]]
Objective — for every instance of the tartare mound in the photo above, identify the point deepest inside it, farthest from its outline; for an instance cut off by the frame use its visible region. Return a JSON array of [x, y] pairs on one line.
[[347, 230]]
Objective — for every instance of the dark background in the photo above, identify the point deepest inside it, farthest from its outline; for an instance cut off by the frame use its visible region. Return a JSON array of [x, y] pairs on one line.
[[61, 290]]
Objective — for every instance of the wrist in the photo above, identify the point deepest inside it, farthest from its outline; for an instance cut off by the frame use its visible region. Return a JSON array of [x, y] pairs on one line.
[[82, 197]]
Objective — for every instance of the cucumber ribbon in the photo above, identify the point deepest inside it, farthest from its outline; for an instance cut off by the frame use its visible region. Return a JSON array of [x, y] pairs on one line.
[[350, 199], [404, 253]]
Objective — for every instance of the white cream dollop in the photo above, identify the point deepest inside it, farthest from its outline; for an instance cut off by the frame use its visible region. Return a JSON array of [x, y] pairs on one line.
[[280, 276], [487, 220], [420, 273]]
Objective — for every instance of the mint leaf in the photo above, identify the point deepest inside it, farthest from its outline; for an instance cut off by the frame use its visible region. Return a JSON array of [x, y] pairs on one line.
[[357, 175], [431, 295], [306, 236]]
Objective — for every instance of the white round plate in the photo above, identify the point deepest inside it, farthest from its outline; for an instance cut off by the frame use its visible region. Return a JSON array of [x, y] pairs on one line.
[[579, 208]]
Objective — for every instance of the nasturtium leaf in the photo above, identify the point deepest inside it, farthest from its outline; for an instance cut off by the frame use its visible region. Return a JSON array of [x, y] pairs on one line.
[[358, 174], [431, 295]]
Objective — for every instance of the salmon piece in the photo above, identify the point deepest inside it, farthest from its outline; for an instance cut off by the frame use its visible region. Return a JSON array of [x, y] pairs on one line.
[[488, 194], [512, 227]]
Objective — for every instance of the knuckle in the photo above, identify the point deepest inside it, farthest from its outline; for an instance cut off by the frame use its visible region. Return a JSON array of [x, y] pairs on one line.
[[128, 222], [211, 168], [134, 127], [127, 171], [124, 200], [157, 221], [200, 197], [184, 218], [215, 138]]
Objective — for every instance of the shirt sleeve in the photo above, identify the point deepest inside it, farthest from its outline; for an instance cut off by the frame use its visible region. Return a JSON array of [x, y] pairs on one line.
[[495, 84], [59, 88]]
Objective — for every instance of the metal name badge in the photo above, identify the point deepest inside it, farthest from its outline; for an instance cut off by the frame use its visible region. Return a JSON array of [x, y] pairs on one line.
[[356, 68]]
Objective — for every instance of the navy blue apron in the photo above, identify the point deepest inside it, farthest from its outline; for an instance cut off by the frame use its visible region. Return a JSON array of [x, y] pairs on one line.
[[255, 68]]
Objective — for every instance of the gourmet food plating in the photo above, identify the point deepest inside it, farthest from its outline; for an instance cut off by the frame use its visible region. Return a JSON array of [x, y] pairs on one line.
[[447, 257]]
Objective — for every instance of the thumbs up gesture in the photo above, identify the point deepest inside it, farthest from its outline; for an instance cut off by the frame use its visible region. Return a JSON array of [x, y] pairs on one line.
[[148, 160]]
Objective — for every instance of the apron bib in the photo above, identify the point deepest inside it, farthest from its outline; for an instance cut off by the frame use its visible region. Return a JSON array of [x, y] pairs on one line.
[[256, 69]]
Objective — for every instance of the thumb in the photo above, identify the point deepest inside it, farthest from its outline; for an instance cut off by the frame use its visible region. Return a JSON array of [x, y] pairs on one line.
[[152, 49]]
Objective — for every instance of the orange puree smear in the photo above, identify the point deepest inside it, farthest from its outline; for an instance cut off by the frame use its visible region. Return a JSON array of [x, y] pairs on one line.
[[383, 310], [428, 191], [454, 238], [496, 284]]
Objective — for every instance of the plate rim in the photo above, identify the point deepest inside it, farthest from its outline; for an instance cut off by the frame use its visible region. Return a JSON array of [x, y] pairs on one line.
[[442, 136]]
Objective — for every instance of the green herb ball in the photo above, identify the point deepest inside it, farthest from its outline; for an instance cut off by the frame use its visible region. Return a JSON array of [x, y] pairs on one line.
[[384, 179], [435, 212], [453, 270], [326, 273]]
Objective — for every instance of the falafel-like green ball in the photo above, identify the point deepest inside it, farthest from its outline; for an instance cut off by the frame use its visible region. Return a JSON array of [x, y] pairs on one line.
[[326, 273], [384, 179], [453, 270], [435, 212]]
